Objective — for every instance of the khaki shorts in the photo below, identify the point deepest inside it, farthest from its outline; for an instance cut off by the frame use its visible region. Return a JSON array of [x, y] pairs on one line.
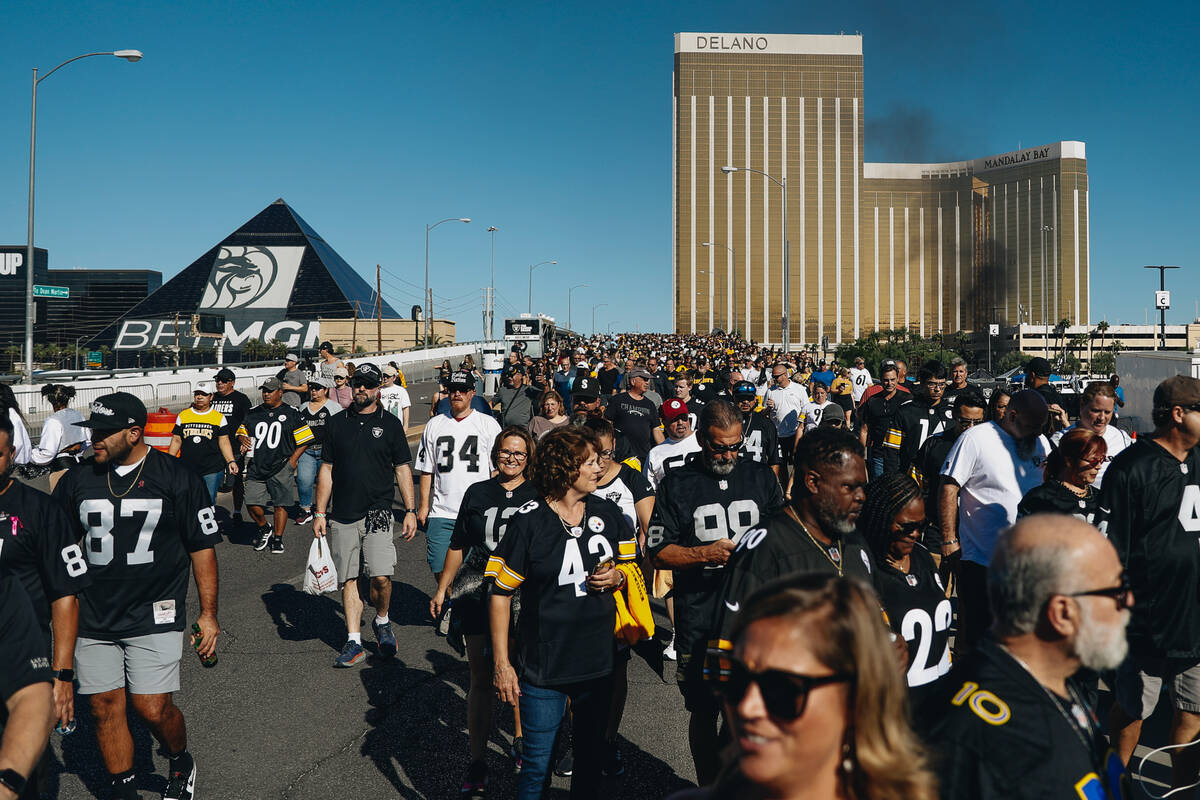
[[353, 547], [1140, 682], [664, 582], [146, 664], [279, 490]]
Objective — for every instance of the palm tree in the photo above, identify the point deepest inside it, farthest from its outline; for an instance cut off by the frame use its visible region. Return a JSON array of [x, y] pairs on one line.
[[1102, 326]]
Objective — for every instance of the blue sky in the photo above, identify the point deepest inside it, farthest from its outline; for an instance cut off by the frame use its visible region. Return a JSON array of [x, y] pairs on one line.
[[552, 122]]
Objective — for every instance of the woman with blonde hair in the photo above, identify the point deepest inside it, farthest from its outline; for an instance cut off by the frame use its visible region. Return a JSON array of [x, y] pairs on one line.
[[815, 704], [552, 415]]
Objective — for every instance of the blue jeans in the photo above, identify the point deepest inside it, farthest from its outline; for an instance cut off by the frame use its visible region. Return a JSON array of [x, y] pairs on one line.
[[542, 710], [306, 475], [213, 482], [874, 465]]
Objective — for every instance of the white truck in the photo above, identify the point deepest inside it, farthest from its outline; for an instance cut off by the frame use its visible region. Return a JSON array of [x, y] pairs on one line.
[[1141, 371]]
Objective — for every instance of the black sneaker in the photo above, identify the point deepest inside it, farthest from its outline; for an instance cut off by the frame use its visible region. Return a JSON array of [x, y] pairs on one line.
[[304, 517], [181, 785], [566, 765], [475, 783], [614, 765], [264, 538], [276, 545]]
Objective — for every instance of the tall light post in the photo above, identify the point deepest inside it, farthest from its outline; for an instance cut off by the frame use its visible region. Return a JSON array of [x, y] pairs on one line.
[[1045, 318], [729, 287], [427, 327], [610, 325], [1162, 308], [786, 317], [598, 305], [573, 288], [491, 302], [532, 267], [130, 56]]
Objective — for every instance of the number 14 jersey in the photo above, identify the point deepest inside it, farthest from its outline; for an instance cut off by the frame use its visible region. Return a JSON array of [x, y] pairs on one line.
[[457, 453]]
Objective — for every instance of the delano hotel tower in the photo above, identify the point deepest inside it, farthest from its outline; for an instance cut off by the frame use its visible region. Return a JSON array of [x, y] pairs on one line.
[[933, 247]]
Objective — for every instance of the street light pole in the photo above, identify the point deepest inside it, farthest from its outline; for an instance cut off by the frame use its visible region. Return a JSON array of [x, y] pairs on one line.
[[532, 267], [1045, 318], [1162, 311], [610, 326], [491, 306], [598, 305], [786, 315], [427, 327], [729, 288], [130, 56], [573, 288]]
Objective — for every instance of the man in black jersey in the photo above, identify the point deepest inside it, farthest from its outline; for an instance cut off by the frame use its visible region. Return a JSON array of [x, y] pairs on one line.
[[146, 521], [815, 533], [26, 702], [916, 421], [1009, 721], [958, 382], [876, 413], [759, 435], [703, 508], [234, 405], [1150, 510], [969, 410]]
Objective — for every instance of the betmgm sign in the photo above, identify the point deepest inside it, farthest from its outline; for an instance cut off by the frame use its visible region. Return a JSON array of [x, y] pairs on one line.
[[250, 286]]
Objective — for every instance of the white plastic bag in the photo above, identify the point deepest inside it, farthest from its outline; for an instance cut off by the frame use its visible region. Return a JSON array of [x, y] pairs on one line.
[[321, 575]]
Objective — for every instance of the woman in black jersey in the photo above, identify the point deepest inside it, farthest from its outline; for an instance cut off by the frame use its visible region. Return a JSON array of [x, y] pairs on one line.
[[907, 579], [481, 523], [1070, 471]]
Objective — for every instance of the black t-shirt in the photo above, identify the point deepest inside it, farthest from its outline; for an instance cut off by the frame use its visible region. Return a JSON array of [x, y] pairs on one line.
[[1055, 498], [913, 423], [1150, 511], [275, 433], [39, 547], [779, 548], [485, 511], [365, 450], [608, 379], [200, 439], [565, 632], [317, 420], [918, 610], [695, 508], [995, 732], [694, 406], [928, 465], [878, 412], [24, 657], [761, 440], [139, 531], [234, 406], [636, 419]]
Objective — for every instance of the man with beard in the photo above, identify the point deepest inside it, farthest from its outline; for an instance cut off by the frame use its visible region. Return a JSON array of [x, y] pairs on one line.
[[1150, 510], [363, 449], [987, 472], [916, 421], [234, 405], [1009, 721], [968, 411], [760, 440], [703, 509]]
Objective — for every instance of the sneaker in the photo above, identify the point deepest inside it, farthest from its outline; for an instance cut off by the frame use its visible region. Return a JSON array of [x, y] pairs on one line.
[[181, 785], [385, 638], [352, 653], [264, 538], [566, 765], [669, 651], [615, 764], [475, 782], [276, 545], [517, 751], [304, 517]]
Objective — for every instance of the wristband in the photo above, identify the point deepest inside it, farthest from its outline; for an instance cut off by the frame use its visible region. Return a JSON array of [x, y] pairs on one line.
[[949, 541], [13, 781], [65, 675], [408, 511], [320, 514]]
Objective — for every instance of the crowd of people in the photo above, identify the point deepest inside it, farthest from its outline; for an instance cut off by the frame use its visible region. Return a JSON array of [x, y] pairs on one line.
[[873, 585]]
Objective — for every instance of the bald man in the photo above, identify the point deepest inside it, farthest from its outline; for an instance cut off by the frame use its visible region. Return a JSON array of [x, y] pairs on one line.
[[1009, 721], [987, 472]]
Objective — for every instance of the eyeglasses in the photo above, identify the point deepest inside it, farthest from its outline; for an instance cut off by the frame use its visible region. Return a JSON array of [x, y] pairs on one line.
[[726, 448], [1193, 407], [967, 423], [363, 383], [909, 528], [777, 375], [607, 455], [514, 455], [339, 378], [785, 694], [1121, 594]]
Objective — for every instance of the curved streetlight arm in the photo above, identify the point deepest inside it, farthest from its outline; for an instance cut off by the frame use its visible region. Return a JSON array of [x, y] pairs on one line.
[[76, 58], [532, 267], [427, 300], [447, 219], [728, 170]]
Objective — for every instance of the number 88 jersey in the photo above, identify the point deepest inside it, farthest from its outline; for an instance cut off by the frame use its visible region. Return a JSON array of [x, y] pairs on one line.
[[138, 529], [457, 453]]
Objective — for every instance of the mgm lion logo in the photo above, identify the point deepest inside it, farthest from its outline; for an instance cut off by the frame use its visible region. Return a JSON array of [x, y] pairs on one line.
[[249, 277]]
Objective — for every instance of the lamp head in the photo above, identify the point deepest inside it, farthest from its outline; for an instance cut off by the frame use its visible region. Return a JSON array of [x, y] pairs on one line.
[[493, 229], [464, 219], [728, 170], [129, 55], [553, 262], [706, 244]]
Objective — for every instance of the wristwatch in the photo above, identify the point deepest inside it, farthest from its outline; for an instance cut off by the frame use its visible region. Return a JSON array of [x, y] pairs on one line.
[[12, 780], [65, 675], [408, 511]]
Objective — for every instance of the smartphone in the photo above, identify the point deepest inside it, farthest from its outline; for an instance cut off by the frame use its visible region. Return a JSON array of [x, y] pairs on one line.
[[603, 565]]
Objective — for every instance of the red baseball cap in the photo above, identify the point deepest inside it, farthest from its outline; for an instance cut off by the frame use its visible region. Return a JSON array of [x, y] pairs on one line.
[[672, 409]]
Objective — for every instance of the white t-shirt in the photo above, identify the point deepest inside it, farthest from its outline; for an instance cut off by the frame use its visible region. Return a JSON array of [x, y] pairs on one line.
[[992, 479], [457, 453], [1116, 439], [22, 446], [750, 374], [59, 432], [813, 413], [394, 400], [860, 381], [667, 456], [790, 405]]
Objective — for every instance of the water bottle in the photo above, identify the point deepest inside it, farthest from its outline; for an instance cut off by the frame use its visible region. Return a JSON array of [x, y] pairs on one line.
[[210, 661], [65, 730]]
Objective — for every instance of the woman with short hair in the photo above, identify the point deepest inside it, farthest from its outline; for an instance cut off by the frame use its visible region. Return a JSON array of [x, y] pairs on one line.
[[552, 415], [1070, 476]]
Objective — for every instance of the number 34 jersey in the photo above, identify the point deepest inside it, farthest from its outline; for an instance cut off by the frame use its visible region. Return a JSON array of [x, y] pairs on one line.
[[138, 531], [457, 453]]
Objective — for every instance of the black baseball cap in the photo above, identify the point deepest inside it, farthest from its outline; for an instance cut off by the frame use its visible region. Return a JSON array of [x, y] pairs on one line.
[[326, 346], [1038, 366], [585, 388], [225, 374], [368, 375], [463, 380], [115, 412], [743, 390]]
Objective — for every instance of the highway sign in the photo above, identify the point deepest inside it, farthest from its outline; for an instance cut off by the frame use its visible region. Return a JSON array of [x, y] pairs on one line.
[[95, 358], [51, 291]]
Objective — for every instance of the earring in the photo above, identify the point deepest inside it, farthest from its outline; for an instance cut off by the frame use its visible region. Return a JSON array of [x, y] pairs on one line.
[[848, 754]]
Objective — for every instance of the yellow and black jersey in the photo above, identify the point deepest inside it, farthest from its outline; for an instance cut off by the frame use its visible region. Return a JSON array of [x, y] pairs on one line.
[[997, 733], [200, 436], [275, 433]]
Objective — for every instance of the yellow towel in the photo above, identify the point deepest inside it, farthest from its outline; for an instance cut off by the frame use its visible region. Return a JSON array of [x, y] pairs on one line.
[[634, 621]]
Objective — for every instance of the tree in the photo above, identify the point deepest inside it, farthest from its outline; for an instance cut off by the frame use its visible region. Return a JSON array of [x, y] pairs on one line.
[[1010, 360], [1102, 326], [900, 343]]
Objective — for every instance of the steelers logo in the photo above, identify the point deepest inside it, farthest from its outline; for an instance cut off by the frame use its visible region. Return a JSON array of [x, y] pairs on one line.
[[595, 525], [196, 439]]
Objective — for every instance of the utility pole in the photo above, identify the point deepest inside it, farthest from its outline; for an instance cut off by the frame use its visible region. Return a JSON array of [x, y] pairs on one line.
[[429, 322], [379, 313], [1163, 301], [354, 331], [177, 338], [489, 307]]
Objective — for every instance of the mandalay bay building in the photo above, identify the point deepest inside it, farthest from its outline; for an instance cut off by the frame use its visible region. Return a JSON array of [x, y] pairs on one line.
[[932, 247]]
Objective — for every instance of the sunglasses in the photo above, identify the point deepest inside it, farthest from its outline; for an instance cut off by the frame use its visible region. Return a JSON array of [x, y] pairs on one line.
[[1120, 594], [785, 694], [363, 383], [909, 528], [967, 423], [726, 448]]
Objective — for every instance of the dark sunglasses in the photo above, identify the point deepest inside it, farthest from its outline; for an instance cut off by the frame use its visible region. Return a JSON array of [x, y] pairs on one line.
[[1120, 594], [909, 528], [726, 448], [363, 383], [785, 694]]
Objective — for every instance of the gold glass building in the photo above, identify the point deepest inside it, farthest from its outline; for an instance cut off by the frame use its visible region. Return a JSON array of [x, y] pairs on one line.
[[932, 247]]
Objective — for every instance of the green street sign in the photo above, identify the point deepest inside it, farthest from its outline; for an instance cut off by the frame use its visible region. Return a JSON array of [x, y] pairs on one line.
[[51, 291], [95, 358]]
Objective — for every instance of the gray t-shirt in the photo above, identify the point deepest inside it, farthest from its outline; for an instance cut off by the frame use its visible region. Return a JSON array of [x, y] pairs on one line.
[[295, 377]]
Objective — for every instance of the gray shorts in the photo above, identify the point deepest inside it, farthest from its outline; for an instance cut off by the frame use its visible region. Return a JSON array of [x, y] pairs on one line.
[[146, 664], [1139, 684], [278, 490], [353, 546]]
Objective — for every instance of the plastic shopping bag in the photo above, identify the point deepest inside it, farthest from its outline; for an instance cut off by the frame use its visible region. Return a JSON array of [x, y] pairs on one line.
[[321, 575]]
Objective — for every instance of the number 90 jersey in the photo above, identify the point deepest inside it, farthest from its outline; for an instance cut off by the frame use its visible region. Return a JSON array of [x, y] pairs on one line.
[[138, 531], [486, 510], [457, 453]]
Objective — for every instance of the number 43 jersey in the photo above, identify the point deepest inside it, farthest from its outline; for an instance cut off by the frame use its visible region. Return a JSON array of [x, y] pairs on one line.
[[457, 453], [138, 531]]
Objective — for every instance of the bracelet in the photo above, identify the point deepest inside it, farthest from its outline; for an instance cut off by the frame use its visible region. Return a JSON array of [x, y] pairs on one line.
[[320, 514], [949, 541], [13, 781]]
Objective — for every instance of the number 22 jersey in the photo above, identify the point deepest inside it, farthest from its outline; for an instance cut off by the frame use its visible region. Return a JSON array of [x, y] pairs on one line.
[[139, 529]]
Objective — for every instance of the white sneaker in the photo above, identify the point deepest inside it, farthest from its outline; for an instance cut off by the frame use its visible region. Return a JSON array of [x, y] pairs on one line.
[[669, 651]]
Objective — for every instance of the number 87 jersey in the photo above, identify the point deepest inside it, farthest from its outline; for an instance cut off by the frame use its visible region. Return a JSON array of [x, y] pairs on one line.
[[138, 529]]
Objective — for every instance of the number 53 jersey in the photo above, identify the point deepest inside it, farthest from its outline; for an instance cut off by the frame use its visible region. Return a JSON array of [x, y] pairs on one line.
[[139, 528], [457, 453]]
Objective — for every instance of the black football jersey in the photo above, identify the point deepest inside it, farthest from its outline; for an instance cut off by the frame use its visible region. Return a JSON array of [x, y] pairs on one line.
[[917, 609], [760, 440], [565, 632], [24, 656], [695, 406], [1150, 510], [234, 406], [38, 546], [138, 531], [485, 512], [779, 548], [694, 508], [1054, 498], [995, 732], [911, 426], [275, 434]]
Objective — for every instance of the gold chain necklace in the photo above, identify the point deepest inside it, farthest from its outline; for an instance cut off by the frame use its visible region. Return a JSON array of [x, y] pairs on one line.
[[132, 483], [834, 553], [574, 531]]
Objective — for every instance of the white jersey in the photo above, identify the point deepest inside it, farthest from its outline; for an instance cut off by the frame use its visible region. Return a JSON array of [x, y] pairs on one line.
[[814, 413], [790, 405], [457, 453], [667, 456], [1116, 439], [394, 400], [860, 381]]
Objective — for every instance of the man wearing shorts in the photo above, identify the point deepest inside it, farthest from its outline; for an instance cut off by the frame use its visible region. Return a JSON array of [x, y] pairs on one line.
[[364, 448], [145, 521], [275, 436]]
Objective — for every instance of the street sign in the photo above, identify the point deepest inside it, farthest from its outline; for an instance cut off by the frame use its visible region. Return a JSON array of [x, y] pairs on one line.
[[95, 358], [1162, 298], [51, 291], [993, 330]]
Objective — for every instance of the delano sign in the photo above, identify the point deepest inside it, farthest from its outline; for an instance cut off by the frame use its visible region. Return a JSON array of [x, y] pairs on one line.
[[776, 43]]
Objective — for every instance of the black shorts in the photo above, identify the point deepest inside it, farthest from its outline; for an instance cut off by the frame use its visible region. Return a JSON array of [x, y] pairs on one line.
[[470, 614], [698, 694]]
